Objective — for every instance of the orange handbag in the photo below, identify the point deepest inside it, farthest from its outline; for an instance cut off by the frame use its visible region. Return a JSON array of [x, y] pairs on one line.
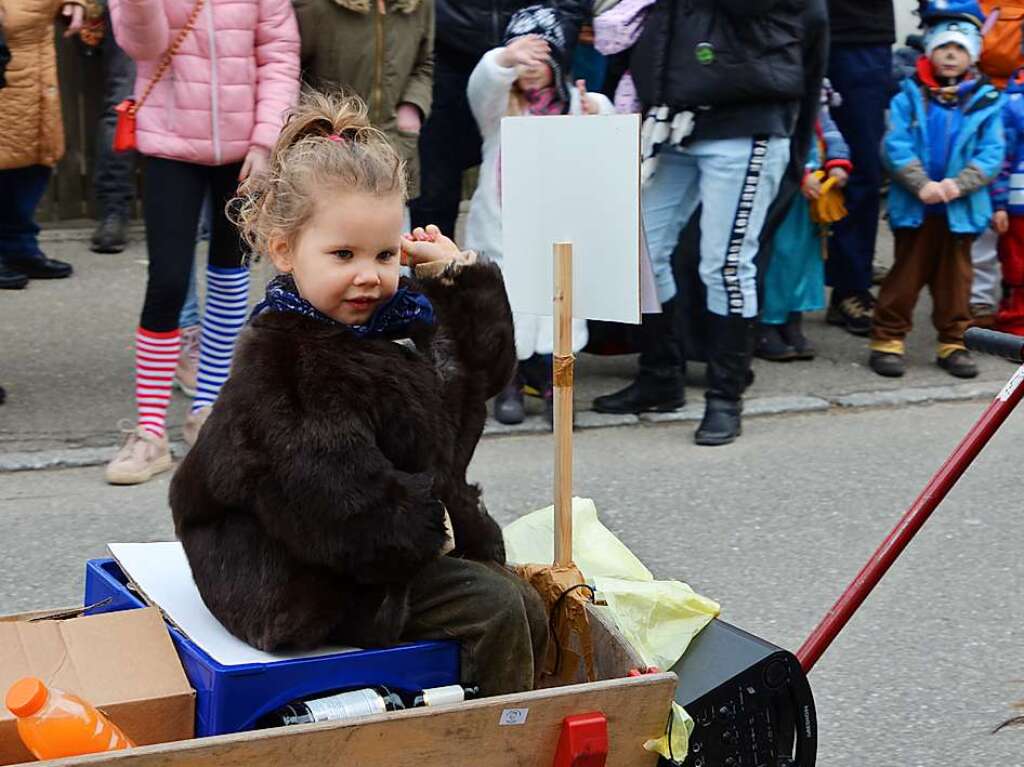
[[124, 132]]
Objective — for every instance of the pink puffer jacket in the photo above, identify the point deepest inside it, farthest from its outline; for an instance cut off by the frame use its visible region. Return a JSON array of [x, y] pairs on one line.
[[230, 84]]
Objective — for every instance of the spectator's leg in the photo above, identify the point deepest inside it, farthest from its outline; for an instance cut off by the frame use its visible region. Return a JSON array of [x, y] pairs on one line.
[[669, 200], [861, 74], [911, 270], [739, 179], [986, 278], [227, 292], [449, 143], [950, 287], [499, 621], [114, 178], [173, 196], [19, 243]]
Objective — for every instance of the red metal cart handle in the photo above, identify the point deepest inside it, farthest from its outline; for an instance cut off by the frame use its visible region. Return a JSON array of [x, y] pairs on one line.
[[933, 494]]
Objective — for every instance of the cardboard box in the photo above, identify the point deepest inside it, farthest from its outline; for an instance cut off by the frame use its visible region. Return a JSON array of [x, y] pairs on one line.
[[123, 663]]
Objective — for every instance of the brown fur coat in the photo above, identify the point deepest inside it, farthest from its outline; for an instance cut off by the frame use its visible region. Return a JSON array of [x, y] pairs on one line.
[[310, 499]]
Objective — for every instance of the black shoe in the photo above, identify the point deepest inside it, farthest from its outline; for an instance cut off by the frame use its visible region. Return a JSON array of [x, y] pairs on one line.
[[772, 346], [508, 405], [852, 313], [110, 236], [39, 267], [887, 364], [649, 393], [11, 279], [960, 364], [3, 395], [793, 334], [721, 423]]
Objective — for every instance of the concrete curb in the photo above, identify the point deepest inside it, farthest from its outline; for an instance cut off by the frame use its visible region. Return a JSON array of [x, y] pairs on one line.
[[72, 458]]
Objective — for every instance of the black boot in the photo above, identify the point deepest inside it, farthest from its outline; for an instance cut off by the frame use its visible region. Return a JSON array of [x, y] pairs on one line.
[[508, 405], [110, 236], [730, 345], [659, 385], [793, 334], [771, 345]]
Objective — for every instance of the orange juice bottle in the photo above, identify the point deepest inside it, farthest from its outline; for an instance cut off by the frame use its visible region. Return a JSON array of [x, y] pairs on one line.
[[53, 723]]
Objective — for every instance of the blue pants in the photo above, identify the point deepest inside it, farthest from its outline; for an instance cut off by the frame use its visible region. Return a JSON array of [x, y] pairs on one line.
[[736, 180], [21, 189], [189, 316], [862, 76]]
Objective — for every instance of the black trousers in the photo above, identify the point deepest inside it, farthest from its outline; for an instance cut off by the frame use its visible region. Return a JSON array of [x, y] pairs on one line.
[[449, 144], [114, 178], [172, 203]]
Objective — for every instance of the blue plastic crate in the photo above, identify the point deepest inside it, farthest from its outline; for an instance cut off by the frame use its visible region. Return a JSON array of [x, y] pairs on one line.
[[232, 698]]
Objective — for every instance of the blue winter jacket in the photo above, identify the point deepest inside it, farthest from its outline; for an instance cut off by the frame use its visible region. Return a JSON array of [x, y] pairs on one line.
[[979, 143]]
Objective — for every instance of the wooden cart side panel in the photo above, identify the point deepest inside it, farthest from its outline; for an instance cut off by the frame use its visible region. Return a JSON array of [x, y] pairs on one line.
[[466, 735]]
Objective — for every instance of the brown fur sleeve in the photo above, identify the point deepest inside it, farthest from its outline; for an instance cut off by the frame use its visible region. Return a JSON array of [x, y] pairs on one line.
[[473, 308]]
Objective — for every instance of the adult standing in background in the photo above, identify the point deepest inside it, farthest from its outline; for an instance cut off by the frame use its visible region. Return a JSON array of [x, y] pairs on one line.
[[860, 69], [450, 141], [380, 50], [31, 133]]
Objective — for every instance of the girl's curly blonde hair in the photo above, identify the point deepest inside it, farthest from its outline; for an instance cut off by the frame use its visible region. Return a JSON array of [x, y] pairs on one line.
[[327, 143]]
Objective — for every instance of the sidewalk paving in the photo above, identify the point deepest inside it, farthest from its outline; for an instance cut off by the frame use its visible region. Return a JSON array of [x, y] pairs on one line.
[[66, 360]]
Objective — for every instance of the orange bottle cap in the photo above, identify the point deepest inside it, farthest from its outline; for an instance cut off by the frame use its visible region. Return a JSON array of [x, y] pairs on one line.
[[26, 696]]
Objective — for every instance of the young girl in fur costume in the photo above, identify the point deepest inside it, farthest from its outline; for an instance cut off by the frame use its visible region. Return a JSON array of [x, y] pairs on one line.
[[326, 497]]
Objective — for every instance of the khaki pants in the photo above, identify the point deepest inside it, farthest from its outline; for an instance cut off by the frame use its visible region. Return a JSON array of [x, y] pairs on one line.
[[498, 618], [930, 255]]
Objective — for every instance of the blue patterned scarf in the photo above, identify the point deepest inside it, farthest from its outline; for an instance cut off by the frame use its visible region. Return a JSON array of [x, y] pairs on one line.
[[390, 320]]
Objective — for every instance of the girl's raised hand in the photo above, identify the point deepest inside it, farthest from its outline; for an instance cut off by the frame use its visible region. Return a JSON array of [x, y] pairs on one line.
[[422, 246], [526, 51], [587, 104], [73, 15]]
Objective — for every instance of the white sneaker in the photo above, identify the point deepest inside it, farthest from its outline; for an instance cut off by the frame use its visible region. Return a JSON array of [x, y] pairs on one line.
[[142, 456], [193, 423], [187, 372]]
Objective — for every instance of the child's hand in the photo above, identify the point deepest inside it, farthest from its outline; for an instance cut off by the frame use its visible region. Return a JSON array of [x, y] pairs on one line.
[[840, 175], [257, 160], [408, 119], [1001, 221], [422, 246], [526, 51], [950, 187], [587, 104], [811, 187], [932, 193]]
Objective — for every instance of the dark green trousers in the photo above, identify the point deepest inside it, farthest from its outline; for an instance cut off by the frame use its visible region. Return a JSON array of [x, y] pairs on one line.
[[498, 619]]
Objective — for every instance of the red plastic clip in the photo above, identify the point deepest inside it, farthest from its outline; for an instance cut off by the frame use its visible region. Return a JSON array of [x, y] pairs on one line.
[[647, 670], [583, 742]]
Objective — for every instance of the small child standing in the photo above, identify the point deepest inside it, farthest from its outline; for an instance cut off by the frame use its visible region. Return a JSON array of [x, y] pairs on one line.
[[1008, 220], [794, 282], [944, 145], [525, 77]]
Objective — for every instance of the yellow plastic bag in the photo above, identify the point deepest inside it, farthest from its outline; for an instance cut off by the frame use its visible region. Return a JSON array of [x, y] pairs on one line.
[[658, 618], [675, 743]]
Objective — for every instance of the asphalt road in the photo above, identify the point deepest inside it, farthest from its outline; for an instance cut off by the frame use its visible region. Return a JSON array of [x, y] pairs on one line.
[[772, 527]]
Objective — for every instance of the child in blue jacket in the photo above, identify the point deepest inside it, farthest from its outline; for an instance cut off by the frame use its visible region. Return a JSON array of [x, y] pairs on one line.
[[944, 145], [1008, 200]]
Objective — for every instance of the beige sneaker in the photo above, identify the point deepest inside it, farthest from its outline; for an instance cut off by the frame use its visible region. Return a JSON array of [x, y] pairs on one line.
[[140, 458], [187, 372], [193, 423]]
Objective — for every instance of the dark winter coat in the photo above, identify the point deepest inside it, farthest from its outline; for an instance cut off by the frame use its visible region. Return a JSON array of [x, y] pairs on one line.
[[311, 498], [862, 22], [467, 29], [750, 66]]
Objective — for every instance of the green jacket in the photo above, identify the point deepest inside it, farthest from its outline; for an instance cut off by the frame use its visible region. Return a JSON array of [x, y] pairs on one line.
[[385, 58]]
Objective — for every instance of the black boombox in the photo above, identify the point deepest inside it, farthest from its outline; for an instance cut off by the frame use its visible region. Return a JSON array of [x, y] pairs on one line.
[[750, 702]]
